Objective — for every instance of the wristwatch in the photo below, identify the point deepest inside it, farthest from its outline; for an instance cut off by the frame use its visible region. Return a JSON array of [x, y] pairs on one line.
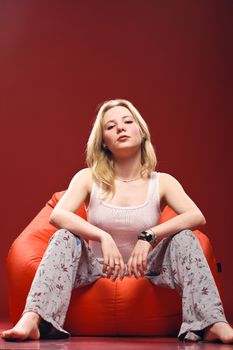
[[147, 236]]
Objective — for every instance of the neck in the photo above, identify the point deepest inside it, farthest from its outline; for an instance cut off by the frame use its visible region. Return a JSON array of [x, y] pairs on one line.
[[128, 169]]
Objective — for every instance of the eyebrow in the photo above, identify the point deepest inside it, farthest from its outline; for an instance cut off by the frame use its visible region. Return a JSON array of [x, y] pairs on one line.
[[112, 120]]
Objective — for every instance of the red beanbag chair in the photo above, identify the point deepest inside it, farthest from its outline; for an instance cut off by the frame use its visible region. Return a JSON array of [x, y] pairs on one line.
[[105, 308]]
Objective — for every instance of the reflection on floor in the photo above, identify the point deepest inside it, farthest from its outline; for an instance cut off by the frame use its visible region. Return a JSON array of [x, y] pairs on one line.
[[110, 343]]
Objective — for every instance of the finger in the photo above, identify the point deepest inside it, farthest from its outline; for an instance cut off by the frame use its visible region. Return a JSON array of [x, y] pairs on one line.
[[134, 267], [120, 263], [122, 269], [139, 267], [129, 266], [144, 262], [105, 265], [116, 269], [116, 272], [140, 271], [121, 272], [111, 267]]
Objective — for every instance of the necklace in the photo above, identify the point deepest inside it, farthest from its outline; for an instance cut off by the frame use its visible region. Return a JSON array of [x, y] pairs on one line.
[[128, 180]]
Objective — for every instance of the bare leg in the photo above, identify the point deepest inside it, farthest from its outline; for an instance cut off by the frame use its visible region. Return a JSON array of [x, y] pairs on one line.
[[26, 328], [219, 331]]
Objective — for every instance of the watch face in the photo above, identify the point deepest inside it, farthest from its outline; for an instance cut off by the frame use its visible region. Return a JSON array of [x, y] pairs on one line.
[[149, 237], [146, 236]]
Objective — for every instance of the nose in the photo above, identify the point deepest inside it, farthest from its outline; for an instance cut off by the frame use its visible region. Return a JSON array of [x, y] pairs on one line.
[[120, 128]]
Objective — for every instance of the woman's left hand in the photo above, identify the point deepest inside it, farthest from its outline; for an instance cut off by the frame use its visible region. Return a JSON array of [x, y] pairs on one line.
[[137, 263]]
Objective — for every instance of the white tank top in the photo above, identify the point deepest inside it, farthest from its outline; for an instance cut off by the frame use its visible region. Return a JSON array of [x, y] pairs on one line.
[[124, 223]]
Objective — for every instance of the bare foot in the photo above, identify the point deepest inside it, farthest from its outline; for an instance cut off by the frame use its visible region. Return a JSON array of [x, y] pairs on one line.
[[26, 328], [219, 331]]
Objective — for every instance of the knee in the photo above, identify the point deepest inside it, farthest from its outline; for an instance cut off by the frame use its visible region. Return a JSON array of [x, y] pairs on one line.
[[186, 236], [65, 236]]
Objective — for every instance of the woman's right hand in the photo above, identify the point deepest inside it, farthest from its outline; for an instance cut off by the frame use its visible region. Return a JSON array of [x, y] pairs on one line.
[[114, 265]]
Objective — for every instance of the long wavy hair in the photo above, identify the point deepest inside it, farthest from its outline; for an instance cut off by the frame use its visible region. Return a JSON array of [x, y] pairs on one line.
[[99, 159]]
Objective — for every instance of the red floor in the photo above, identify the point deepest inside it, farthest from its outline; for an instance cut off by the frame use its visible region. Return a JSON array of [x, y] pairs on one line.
[[110, 343]]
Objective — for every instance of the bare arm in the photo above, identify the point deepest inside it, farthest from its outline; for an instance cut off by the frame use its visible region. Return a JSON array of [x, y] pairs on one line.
[[63, 215], [188, 214]]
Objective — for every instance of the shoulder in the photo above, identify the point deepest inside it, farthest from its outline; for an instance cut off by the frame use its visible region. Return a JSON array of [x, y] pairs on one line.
[[168, 182], [167, 178], [83, 174], [83, 178]]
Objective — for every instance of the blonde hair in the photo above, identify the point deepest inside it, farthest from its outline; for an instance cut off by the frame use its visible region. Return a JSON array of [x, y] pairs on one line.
[[100, 159]]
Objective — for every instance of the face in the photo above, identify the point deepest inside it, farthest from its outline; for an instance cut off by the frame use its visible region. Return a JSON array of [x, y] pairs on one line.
[[120, 130]]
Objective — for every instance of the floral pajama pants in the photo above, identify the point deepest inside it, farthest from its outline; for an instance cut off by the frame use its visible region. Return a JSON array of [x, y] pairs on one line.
[[176, 262]]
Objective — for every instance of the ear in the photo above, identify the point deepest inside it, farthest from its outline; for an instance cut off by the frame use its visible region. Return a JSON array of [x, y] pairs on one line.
[[105, 147], [144, 138], [142, 134]]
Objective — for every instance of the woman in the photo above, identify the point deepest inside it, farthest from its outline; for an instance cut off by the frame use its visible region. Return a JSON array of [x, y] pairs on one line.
[[124, 197]]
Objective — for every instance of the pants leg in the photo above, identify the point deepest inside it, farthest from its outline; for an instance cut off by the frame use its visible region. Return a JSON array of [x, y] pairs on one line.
[[179, 262], [67, 263]]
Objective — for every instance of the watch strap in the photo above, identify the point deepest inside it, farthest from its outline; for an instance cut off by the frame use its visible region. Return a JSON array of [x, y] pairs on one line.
[[147, 236]]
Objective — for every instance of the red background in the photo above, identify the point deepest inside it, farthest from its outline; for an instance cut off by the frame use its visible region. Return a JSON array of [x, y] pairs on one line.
[[60, 59]]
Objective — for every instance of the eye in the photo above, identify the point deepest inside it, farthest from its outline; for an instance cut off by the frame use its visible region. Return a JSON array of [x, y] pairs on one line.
[[128, 121], [110, 127]]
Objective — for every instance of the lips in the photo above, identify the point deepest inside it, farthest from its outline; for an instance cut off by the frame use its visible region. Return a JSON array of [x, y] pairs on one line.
[[123, 138]]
